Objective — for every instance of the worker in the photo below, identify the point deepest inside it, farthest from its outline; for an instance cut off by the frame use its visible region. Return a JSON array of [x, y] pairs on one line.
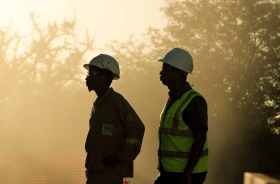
[[116, 132], [183, 149]]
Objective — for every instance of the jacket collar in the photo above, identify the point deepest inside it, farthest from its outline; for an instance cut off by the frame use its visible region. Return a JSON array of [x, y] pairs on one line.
[[99, 100], [179, 92]]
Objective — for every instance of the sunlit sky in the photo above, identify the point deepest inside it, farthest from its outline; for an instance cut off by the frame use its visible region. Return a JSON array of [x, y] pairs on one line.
[[107, 20]]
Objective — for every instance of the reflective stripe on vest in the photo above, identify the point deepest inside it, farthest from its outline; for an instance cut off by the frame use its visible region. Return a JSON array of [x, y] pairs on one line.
[[176, 138], [175, 132], [180, 154]]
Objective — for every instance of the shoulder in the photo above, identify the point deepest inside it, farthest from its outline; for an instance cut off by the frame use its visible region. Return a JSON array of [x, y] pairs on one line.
[[117, 96], [199, 100], [119, 99], [197, 97], [196, 102]]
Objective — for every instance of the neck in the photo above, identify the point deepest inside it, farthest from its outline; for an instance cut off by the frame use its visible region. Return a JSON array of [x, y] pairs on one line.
[[101, 91], [175, 86]]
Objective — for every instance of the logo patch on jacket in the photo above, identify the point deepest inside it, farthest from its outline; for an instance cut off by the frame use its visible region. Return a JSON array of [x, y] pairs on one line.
[[107, 129]]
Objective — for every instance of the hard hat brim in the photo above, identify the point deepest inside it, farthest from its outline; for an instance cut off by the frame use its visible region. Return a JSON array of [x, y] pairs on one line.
[[86, 66], [185, 72]]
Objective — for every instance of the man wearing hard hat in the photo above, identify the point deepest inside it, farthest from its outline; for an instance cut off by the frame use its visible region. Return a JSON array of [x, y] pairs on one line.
[[116, 132], [183, 149]]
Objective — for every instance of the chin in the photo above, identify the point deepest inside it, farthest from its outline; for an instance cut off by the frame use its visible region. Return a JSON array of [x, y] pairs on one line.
[[164, 83], [89, 89]]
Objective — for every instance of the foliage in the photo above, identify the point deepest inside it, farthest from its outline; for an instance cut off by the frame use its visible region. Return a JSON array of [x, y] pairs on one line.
[[41, 94], [49, 59], [235, 45]]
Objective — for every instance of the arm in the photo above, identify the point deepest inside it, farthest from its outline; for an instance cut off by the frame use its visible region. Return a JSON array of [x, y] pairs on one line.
[[197, 148], [195, 115], [133, 132]]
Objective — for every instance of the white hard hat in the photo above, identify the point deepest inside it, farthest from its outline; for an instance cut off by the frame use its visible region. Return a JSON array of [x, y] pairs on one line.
[[104, 61], [180, 59]]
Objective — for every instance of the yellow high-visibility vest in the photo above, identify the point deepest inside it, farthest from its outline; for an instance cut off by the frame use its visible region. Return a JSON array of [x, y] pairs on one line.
[[176, 138]]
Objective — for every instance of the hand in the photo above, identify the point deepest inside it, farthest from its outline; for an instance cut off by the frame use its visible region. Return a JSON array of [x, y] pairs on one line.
[[186, 179], [109, 161]]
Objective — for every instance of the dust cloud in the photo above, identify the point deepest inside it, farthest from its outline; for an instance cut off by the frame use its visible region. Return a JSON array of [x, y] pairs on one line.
[[42, 135], [45, 107], [43, 130]]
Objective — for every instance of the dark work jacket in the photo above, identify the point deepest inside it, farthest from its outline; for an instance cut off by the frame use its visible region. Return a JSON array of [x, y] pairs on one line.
[[115, 130]]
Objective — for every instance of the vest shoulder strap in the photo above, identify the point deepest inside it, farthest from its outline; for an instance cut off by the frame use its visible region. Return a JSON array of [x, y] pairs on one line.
[[186, 99]]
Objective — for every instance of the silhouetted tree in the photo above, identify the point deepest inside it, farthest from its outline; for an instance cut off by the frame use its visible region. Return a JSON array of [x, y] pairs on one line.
[[43, 106], [235, 45]]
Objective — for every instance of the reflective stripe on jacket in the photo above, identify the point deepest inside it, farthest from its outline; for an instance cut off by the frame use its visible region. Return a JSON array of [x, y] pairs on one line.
[[176, 138]]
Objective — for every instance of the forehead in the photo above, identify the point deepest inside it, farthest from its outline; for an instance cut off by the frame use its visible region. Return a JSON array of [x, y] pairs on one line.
[[167, 66], [91, 68], [172, 69]]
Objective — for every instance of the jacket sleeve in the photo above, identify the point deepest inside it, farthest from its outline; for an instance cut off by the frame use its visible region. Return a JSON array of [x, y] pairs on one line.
[[133, 132]]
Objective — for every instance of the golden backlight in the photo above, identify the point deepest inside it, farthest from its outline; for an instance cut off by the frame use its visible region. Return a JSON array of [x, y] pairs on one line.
[[45, 105], [48, 148]]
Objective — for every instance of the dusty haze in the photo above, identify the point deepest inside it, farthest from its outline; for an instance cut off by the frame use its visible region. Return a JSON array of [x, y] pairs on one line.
[[45, 105]]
